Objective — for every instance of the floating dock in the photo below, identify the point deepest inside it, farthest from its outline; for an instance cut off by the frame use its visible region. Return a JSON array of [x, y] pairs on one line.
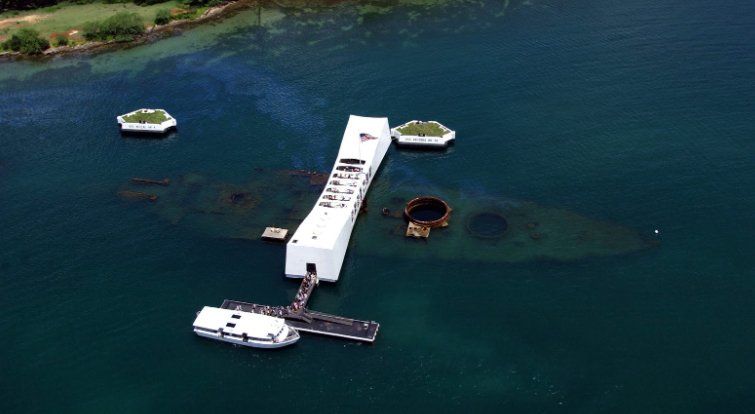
[[319, 244], [274, 234], [302, 319], [317, 322]]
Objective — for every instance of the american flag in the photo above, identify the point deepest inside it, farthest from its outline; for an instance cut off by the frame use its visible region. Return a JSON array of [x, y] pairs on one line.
[[366, 137]]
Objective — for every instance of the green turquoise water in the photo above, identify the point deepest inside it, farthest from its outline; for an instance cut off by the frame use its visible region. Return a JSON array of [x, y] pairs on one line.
[[637, 114]]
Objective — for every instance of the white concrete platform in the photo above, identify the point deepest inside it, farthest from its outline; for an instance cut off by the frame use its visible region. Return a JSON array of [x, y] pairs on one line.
[[319, 244], [274, 233], [448, 137], [146, 127]]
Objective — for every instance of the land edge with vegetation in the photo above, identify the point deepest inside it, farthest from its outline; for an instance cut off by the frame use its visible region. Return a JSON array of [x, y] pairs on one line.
[[151, 33], [156, 31]]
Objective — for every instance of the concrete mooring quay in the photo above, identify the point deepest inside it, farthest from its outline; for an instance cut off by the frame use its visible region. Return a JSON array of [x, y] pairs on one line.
[[302, 319]]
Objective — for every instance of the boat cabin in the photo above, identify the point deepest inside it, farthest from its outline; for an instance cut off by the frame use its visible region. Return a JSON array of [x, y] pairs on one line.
[[243, 328]]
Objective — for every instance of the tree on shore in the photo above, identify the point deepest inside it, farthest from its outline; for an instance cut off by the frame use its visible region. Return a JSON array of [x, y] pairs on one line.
[[162, 16], [27, 41], [61, 40], [121, 27], [36, 4], [148, 2]]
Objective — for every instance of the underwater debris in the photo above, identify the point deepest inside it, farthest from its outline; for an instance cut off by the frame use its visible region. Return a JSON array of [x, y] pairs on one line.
[[315, 177], [496, 229], [146, 181], [417, 231], [425, 213], [238, 198], [487, 225], [428, 211], [318, 179], [137, 195]]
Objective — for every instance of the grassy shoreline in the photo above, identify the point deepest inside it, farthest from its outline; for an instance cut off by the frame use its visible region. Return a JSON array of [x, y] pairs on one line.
[[49, 29], [68, 20], [67, 17]]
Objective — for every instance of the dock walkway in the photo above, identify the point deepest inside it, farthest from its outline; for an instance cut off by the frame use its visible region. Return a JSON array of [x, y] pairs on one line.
[[302, 319]]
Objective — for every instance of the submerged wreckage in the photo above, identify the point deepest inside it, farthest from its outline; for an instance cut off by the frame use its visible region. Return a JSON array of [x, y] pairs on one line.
[[486, 229]]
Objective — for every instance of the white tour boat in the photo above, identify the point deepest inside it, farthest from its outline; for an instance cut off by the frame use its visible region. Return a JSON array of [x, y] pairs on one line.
[[244, 328]]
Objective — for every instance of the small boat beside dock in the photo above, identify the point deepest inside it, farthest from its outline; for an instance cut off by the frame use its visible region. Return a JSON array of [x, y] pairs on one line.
[[239, 322], [244, 328]]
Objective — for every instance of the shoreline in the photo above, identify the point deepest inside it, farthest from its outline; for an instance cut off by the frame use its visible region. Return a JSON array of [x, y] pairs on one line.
[[157, 32], [152, 33]]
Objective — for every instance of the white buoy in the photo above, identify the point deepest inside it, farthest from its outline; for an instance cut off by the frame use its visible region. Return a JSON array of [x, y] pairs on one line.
[[656, 231]]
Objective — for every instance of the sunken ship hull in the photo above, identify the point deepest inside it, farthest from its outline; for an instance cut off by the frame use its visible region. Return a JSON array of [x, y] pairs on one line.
[[483, 228]]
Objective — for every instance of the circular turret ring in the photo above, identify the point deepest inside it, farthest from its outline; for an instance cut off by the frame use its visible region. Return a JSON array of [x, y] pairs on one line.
[[428, 203]]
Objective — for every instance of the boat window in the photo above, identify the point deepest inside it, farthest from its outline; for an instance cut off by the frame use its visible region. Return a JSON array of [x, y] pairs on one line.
[[236, 316], [351, 161], [230, 325]]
